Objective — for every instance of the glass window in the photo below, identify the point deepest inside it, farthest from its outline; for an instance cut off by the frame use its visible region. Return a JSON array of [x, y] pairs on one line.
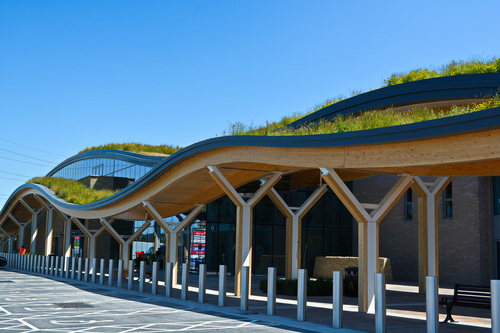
[[496, 195], [409, 205], [448, 203]]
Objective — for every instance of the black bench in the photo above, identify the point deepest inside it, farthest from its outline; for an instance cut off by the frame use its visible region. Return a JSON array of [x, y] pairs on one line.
[[468, 296]]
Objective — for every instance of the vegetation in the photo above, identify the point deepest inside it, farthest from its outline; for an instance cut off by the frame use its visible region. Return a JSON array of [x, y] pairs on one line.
[[137, 148], [367, 120], [315, 287], [472, 66], [71, 190]]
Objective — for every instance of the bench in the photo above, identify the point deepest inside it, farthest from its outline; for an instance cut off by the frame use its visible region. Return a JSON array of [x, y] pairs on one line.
[[467, 296]]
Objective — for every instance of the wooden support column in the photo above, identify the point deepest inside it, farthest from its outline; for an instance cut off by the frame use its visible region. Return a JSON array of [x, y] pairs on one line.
[[21, 227], [294, 217], [157, 243], [67, 237], [34, 225], [367, 231], [48, 228], [244, 211], [172, 233], [124, 244], [428, 194]]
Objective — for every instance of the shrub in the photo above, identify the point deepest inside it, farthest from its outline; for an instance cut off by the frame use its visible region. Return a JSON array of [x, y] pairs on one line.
[[137, 148], [471, 66]]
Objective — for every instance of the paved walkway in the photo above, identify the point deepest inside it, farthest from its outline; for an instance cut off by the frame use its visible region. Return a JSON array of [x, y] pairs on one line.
[[405, 308]]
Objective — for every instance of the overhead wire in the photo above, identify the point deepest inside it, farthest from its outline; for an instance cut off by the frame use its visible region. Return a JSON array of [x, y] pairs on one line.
[[19, 180], [12, 159], [34, 158], [43, 151], [15, 174]]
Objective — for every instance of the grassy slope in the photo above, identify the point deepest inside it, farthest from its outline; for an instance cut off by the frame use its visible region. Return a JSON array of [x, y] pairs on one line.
[[71, 190], [471, 66], [137, 148]]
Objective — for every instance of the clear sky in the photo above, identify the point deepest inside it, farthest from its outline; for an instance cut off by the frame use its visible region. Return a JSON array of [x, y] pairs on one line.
[[75, 74]]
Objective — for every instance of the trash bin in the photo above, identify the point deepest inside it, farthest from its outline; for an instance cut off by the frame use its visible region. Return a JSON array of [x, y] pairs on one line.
[[351, 282]]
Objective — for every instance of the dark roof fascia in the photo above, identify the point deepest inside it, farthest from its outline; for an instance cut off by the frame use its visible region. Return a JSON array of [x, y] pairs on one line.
[[435, 89], [456, 125], [122, 155]]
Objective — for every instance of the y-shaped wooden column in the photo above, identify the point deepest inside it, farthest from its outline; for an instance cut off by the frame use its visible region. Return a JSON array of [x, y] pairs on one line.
[[124, 244], [49, 229], [172, 233], [244, 210], [294, 217], [21, 228], [428, 194], [34, 225], [367, 231]]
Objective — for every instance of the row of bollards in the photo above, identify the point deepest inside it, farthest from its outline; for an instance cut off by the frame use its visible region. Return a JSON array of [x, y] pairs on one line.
[[55, 266]]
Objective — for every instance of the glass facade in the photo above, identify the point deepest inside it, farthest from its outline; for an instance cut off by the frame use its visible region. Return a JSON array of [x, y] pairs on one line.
[[102, 167], [496, 195], [326, 230], [448, 202]]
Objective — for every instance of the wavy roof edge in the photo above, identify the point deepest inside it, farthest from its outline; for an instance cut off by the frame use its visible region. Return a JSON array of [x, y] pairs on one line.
[[462, 124], [456, 87]]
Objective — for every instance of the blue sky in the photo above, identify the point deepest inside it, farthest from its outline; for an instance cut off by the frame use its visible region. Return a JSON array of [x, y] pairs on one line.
[[75, 74]]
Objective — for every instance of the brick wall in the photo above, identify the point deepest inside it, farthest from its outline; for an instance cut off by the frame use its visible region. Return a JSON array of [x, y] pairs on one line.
[[464, 240]]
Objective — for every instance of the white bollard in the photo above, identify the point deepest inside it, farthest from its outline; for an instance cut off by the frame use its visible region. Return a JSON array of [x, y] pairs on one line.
[[51, 269], [56, 268], [380, 304], [61, 272], [79, 273], [168, 279], [110, 272], [66, 266], [102, 272], [495, 306], [222, 285], [42, 265], [302, 295], [94, 269], [73, 267], [431, 301], [185, 282], [245, 287], [154, 286], [142, 276], [120, 274], [86, 275], [202, 283], [338, 300], [271, 291], [130, 274]]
